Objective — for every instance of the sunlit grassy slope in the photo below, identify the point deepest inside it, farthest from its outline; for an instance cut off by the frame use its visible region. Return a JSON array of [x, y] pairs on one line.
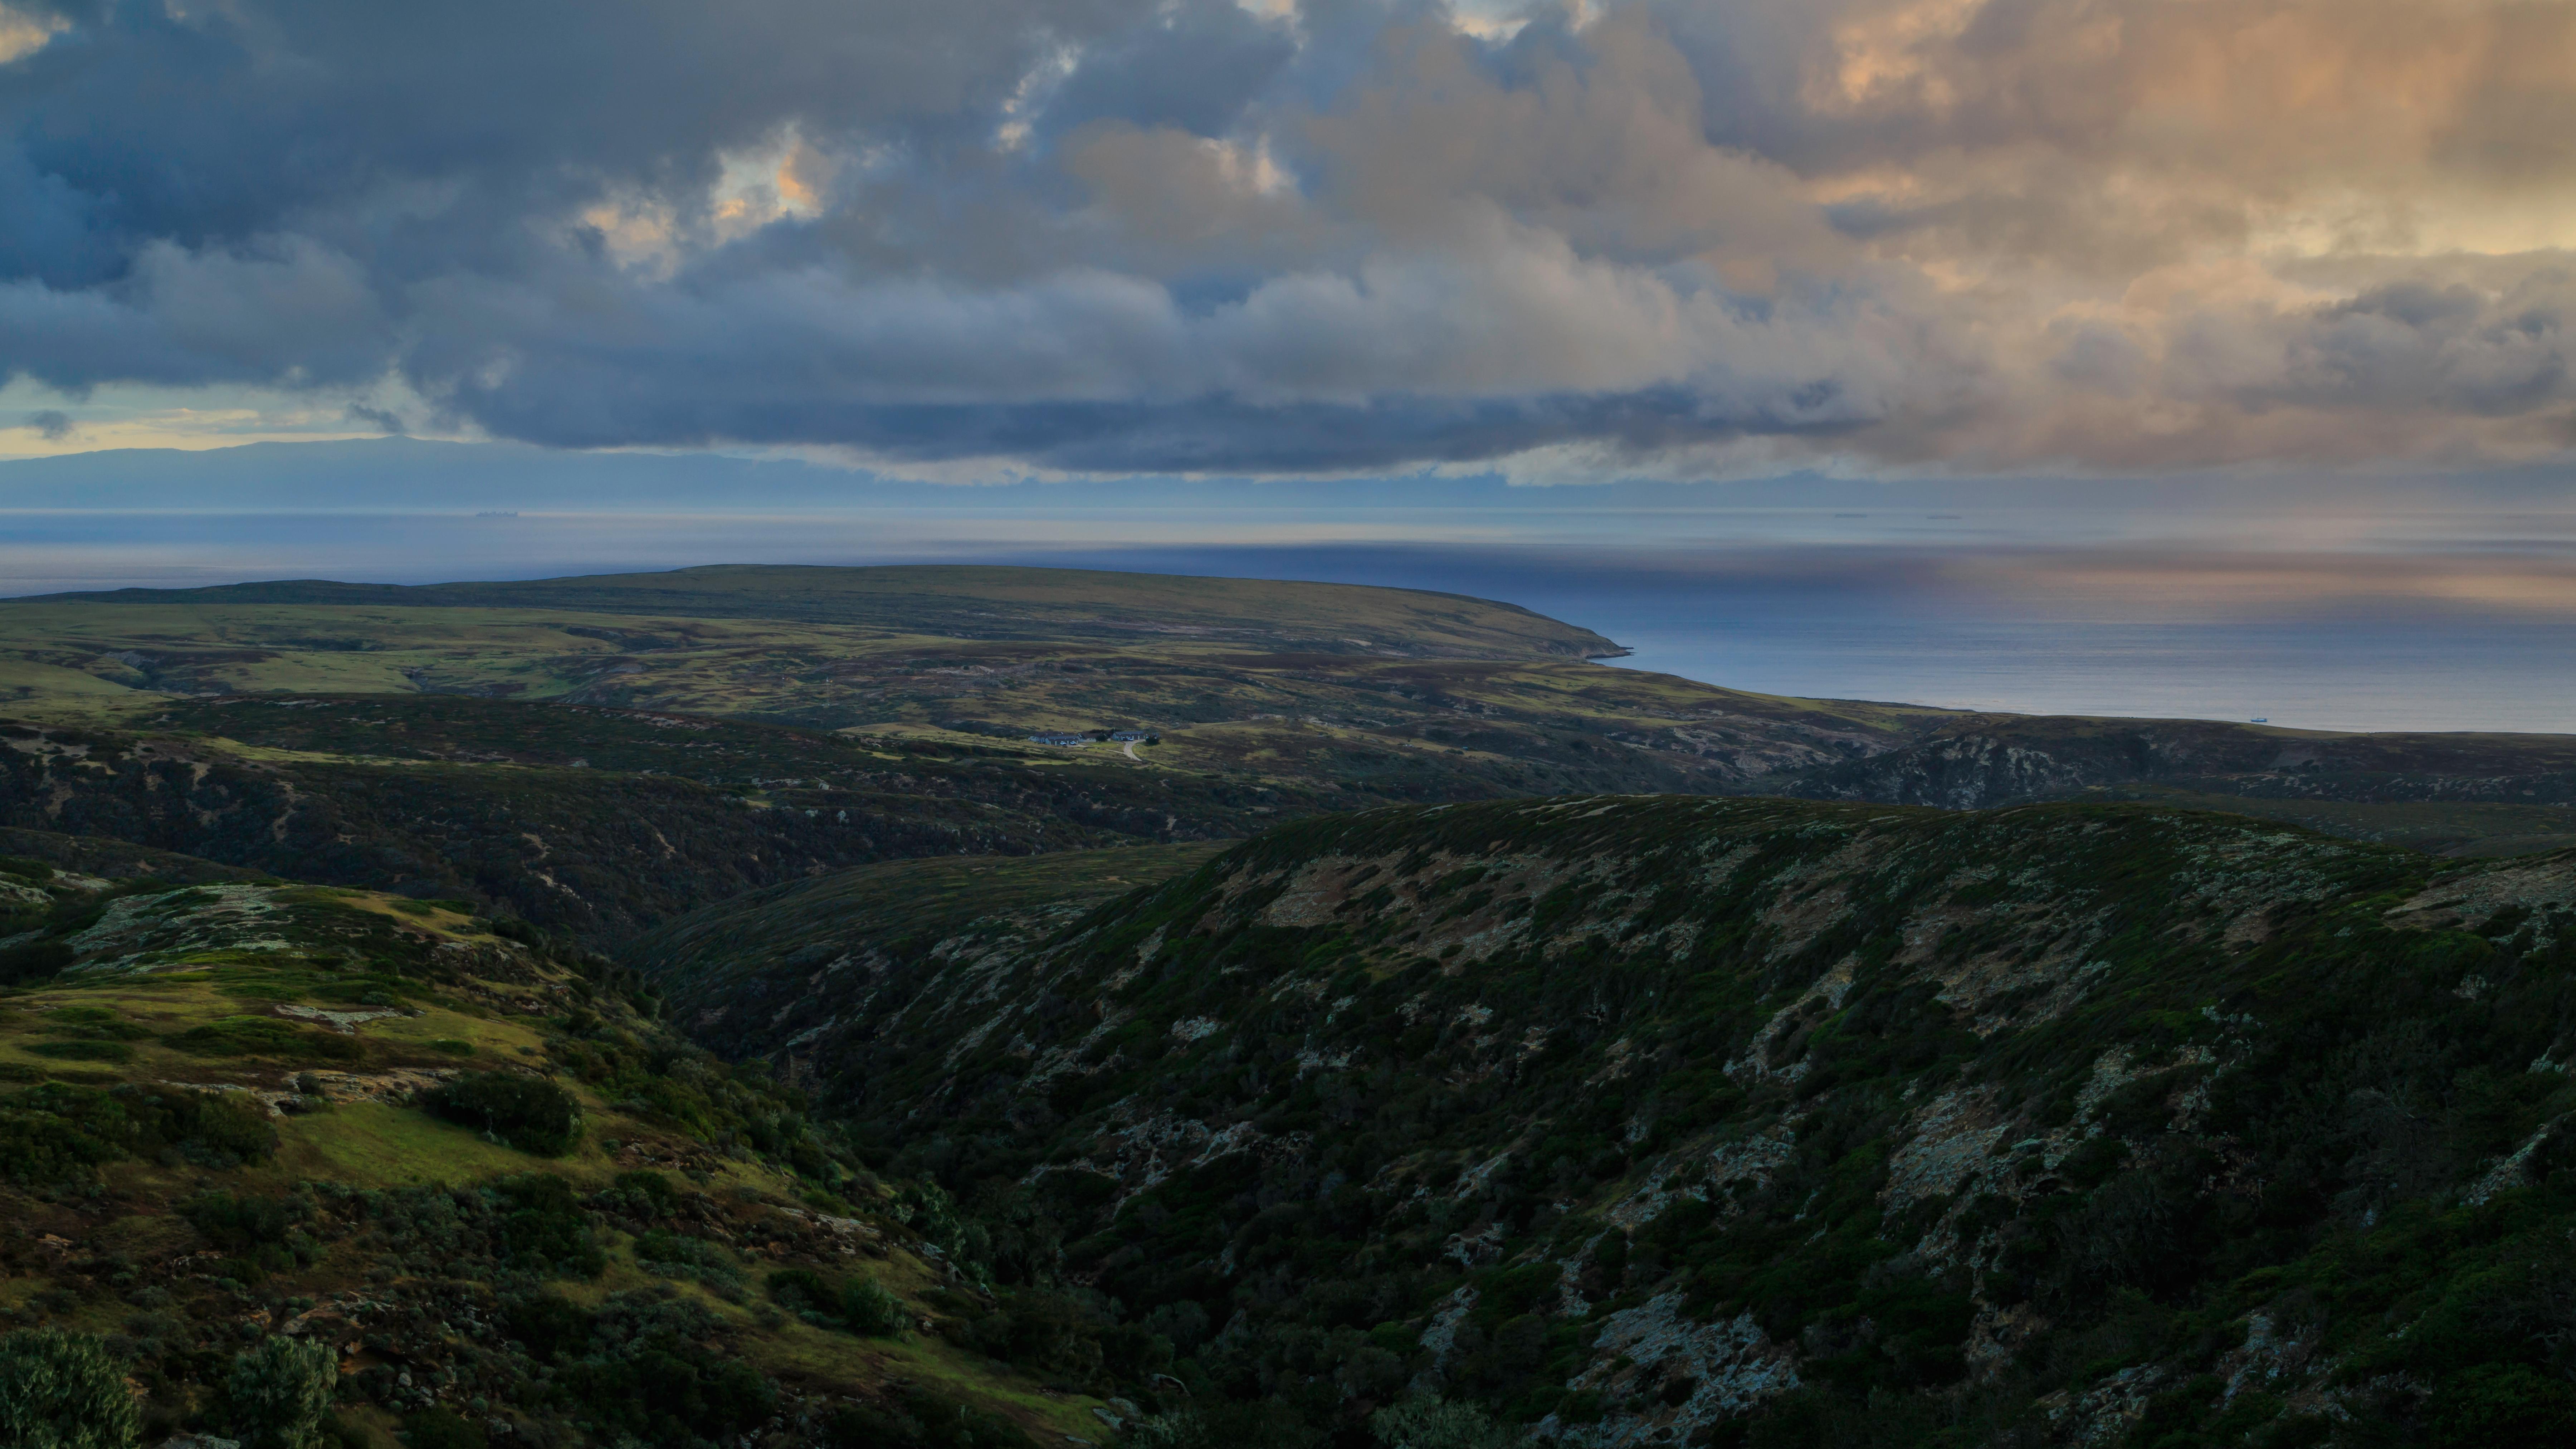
[[215, 1121], [297, 635]]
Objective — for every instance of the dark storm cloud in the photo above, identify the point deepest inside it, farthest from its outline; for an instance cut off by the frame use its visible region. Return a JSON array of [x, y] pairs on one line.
[[1343, 234]]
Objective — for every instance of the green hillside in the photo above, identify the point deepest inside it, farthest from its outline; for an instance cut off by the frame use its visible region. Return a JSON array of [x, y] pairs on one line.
[[1709, 1122], [312, 1166]]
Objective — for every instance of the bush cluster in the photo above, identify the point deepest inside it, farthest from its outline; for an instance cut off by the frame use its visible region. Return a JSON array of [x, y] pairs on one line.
[[640, 1367], [857, 1303], [529, 1113], [58, 1133], [63, 1391]]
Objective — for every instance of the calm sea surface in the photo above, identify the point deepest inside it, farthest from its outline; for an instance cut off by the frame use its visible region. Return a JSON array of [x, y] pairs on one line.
[[2459, 620]]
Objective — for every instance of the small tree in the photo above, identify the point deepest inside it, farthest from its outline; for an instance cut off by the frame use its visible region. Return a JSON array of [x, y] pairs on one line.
[[63, 1391], [870, 1310], [280, 1393]]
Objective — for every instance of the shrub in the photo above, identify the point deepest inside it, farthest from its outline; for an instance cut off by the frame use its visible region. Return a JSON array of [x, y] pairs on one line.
[[511, 928], [528, 1113], [544, 1228], [26, 867], [259, 1234], [83, 1051], [441, 1429], [649, 1375], [870, 1310], [34, 961], [677, 1255], [262, 1036], [1222, 1423], [223, 1129], [860, 1304], [2500, 1404], [547, 1325], [63, 1391], [1429, 1423], [644, 1193], [801, 1289], [55, 1133], [279, 1393], [94, 1023], [917, 1418]]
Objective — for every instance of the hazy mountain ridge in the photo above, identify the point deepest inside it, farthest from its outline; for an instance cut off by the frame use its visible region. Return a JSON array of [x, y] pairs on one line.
[[1989, 760], [2372, 779], [2043, 1125]]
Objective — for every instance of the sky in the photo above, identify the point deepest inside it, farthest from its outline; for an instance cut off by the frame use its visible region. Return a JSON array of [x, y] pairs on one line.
[[981, 239]]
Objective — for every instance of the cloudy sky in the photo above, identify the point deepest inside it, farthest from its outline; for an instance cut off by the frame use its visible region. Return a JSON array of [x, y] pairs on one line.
[[1670, 238]]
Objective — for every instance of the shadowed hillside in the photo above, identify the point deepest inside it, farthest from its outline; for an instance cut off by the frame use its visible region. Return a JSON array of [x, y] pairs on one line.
[[1662, 1120]]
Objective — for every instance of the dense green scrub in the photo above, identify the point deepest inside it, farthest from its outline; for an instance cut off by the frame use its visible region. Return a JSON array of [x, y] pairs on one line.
[[1778, 1123]]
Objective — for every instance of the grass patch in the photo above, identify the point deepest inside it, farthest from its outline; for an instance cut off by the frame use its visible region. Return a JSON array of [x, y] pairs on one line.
[[95, 1022], [374, 1142]]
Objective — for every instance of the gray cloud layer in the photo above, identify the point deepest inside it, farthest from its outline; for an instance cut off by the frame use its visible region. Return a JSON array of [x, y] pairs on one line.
[[1352, 234]]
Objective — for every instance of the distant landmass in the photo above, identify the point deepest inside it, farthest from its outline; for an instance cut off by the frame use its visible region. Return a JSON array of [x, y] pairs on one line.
[[400, 474]]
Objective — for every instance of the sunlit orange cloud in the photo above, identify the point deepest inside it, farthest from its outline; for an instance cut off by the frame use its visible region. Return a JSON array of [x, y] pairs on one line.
[[2230, 583]]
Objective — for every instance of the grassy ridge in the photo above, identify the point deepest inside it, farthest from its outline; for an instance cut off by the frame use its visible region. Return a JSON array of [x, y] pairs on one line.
[[978, 602]]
